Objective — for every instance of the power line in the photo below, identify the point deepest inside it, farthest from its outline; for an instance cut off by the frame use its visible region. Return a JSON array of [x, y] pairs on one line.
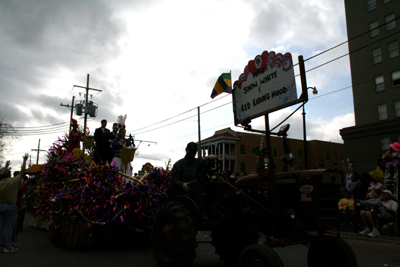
[[59, 114], [57, 130], [330, 61], [177, 115], [44, 126], [356, 50], [351, 39], [184, 118], [43, 130]]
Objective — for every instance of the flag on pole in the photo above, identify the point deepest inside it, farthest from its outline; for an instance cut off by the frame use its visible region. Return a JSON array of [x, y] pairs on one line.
[[223, 84]]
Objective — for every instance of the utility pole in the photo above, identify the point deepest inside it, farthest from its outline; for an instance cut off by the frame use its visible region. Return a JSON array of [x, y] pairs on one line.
[[72, 111], [198, 126], [38, 150], [305, 88], [87, 100]]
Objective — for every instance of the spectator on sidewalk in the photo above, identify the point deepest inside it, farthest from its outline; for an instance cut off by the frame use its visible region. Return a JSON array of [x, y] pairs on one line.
[[369, 215], [389, 208], [352, 184], [359, 192], [346, 211], [21, 204], [394, 155], [350, 171], [8, 203], [379, 173], [374, 185]]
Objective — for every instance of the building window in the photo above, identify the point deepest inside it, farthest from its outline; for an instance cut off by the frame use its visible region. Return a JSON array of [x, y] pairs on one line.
[[327, 156], [233, 149], [275, 153], [335, 156], [382, 112], [397, 108], [377, 55], [390, 22], [396, 78], [374, 28], [242, 149], [371, 4], [385, 142], [379, 83], [243, 167], [320, 163], [300, 154], [393, 49]]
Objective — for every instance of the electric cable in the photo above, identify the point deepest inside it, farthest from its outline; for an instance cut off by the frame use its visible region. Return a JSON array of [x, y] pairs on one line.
[[329, 49], [182, 119], [59, 114], [351, 39], [176, 115], [57, 130], [356, 50]]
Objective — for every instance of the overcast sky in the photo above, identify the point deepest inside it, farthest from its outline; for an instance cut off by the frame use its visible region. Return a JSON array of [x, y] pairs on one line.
[[157, 61]]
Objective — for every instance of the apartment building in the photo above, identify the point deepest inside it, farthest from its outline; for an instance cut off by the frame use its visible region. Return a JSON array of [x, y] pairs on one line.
[[373, 29]]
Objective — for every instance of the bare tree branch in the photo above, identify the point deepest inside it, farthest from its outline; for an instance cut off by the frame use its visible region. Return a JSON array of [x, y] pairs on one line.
[[7, 135]]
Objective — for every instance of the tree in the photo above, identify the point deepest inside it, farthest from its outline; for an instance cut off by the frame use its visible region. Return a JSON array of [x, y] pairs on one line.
[[7, 134]]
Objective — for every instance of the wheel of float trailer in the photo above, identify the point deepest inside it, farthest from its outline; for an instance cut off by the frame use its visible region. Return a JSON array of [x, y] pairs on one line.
[[230, 240], [331, 252], [174, 236], [259, 255]]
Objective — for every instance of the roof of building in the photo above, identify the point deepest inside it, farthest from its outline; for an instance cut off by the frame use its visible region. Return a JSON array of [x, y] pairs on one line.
[[227, 132]]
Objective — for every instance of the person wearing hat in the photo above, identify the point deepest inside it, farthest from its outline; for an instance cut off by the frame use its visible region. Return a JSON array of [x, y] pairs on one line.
[[394, 155], [389, 208], [75, 136], [184, 177], [8, 207]]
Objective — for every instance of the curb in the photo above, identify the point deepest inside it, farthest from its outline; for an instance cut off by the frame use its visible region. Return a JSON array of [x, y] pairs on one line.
[[357, 236]]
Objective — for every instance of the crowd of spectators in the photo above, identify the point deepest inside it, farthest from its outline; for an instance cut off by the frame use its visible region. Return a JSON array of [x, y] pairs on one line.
[[368, 206]]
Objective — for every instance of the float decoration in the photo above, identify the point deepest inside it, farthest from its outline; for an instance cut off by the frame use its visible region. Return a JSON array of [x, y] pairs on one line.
[[85, 205]]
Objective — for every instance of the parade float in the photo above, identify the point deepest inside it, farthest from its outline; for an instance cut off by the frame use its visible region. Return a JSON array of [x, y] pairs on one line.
[[84, 205]]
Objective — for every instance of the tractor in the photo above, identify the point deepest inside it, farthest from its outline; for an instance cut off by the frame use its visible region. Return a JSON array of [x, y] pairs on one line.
[[288, 208]]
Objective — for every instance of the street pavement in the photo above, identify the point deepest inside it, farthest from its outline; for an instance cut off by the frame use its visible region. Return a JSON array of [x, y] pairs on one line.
[[351, 235], [36, 249]]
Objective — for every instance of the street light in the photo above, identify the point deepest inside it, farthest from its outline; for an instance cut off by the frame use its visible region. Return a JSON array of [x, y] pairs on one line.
[[315, 92]]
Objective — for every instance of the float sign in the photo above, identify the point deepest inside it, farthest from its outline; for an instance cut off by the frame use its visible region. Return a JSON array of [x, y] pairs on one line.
[[267, 84]]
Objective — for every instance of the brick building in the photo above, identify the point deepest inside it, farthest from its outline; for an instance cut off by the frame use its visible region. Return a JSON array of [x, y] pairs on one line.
[[235, 150]]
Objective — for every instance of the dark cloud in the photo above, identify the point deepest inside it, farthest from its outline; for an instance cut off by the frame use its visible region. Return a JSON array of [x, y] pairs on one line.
[[304, 23], [40, 39]]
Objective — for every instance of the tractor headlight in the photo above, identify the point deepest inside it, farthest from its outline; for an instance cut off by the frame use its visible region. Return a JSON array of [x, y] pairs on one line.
[[291, 214]]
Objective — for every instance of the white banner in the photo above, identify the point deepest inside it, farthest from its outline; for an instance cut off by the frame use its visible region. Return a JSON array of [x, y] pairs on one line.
[[266, 83]]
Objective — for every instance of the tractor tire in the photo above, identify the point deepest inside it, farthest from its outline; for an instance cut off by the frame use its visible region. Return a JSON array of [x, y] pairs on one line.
[[229, 241], [174, 236], [331, 252], [259, 255]]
